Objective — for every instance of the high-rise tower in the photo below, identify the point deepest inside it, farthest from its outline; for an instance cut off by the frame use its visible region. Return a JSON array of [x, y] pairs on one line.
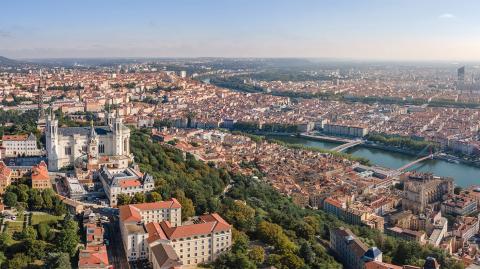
[[41, 111]]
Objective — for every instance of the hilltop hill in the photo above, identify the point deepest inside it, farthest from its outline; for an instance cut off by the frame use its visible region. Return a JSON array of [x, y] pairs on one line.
[[7, 61]]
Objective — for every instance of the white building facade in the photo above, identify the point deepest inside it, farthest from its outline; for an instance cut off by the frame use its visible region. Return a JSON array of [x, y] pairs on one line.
[[20, 145], [133, 218], [65, 145], [124, 181]]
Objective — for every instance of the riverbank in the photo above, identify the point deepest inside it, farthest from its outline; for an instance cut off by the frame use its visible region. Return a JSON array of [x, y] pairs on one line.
[[394, 158]]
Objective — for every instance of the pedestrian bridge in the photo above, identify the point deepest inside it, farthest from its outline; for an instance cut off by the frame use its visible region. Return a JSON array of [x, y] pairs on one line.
[[408, 165], [347, 145]]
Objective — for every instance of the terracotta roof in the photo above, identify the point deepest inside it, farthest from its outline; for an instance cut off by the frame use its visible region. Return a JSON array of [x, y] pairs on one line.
[[5, 172], [132, 212], [14, 137], [93, 255], [129, 183], [210, 223], [155, 232], [40, 172], [166, 256]]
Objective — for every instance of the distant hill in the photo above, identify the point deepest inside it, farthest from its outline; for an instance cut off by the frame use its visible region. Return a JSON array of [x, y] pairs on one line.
[[7, 61]]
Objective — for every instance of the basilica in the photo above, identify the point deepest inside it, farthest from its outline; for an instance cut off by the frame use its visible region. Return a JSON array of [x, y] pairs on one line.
[[65, 146]]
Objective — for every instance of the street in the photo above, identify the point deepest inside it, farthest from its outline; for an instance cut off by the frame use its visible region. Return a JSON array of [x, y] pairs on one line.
[[116, 253]]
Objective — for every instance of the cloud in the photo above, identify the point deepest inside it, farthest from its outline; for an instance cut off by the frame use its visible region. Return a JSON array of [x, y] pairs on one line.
[[447, 16]]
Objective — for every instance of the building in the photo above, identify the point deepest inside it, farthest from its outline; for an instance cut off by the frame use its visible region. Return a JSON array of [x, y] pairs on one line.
[[352, 252], [154, 231], [459, 205], [66, 145], [465, 228], [461, 74], [199, 241], [163, 256], [5, 177], [133, 218], [20, 145], [422, 191], [94, 234], [170, 210], [407, 234], [353, 213], [345, 130], [40, 177], [94, 255], [124, 181]]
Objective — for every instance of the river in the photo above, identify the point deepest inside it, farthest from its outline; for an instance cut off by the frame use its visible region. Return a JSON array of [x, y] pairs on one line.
[[463, 174]]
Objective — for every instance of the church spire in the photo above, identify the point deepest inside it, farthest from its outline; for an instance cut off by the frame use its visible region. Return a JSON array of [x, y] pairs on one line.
[[92, 129]]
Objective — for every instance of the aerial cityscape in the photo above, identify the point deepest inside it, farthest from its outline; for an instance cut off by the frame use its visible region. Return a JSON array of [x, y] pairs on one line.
[[236, 134]]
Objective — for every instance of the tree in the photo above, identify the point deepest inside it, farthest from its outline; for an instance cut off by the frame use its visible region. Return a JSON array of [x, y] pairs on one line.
[[3, 258], [257, 254], [43, 230], [123, 199], [48, 197], [36, 249], [5, 240], [10, 199], [187, 205], [240, 241], [59, 207], [154, 197], [138, 198], [19, 260], [291, 261], [68, 238], [58, 261], [241, 215], [22, 195], [36, 200], [273, 234], [29, 233], [234, 261]]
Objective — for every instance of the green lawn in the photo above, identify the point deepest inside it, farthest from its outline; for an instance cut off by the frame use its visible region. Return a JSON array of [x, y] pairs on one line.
[[16, 225], [41, 217]]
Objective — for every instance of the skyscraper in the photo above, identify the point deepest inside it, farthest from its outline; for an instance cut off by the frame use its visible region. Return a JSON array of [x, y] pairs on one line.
[[461, 74]]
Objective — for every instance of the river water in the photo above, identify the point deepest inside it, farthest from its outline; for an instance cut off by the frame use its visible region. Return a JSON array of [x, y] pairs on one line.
[[463, 174]]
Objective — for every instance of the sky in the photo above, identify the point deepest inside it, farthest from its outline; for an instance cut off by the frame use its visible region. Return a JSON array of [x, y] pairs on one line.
[[344, 29]]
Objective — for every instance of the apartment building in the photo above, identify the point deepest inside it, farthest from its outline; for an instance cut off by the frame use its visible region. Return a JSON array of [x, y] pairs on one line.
[[94, 255], [459, 205], [133, 218], [201, 240], [127, 181], [20, 145], [154, 231], [352, 252], [345, 130]]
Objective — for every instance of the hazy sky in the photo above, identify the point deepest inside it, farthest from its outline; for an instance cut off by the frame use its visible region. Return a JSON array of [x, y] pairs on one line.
[[360, 29]]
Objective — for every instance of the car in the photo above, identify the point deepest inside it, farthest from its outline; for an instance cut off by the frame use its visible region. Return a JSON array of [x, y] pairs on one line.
[[13, 217]]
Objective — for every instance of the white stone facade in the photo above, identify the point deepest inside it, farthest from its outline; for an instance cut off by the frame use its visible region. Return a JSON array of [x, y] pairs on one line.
[[66, 145], [20, 145]]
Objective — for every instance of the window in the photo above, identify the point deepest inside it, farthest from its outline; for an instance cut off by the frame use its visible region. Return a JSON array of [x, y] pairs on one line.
[[101, 148], [68, 151]]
